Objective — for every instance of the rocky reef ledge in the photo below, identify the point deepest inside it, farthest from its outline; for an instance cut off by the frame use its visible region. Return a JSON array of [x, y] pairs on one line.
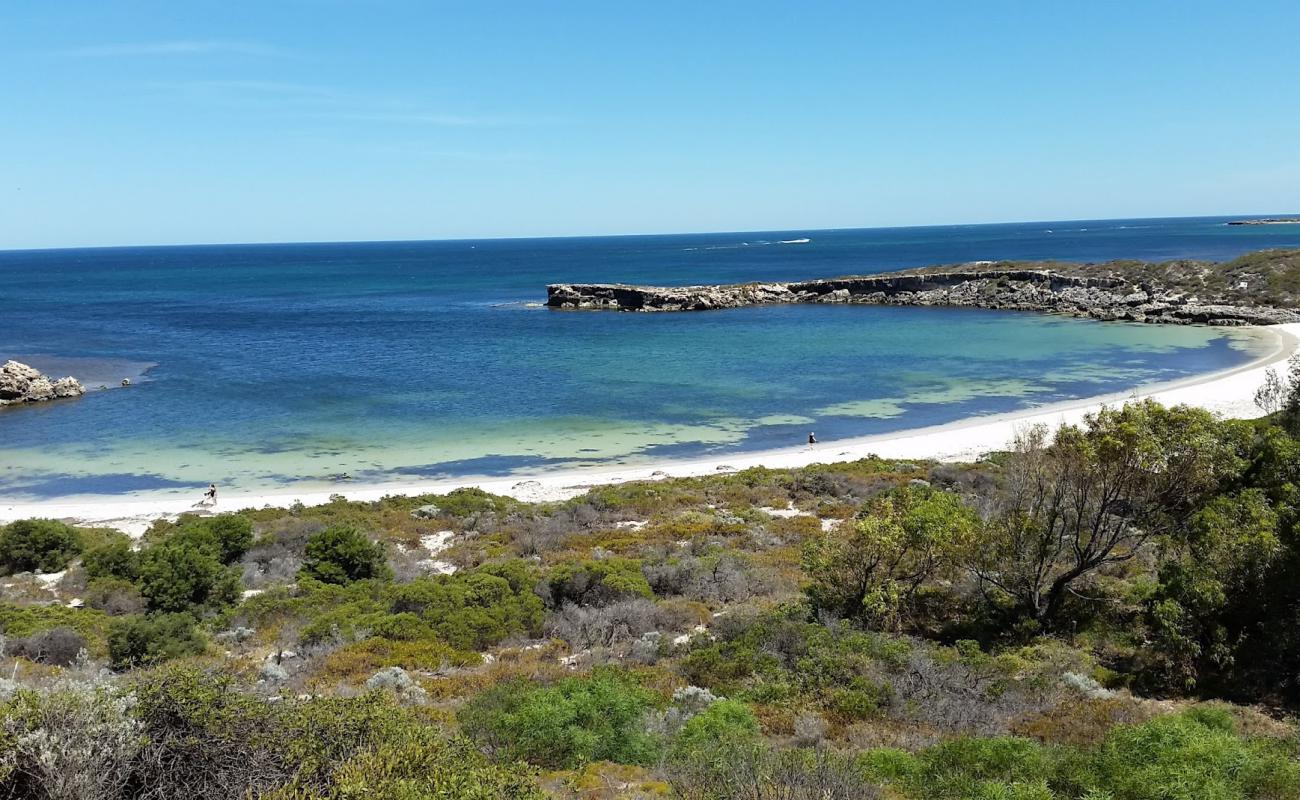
[[1253, 290], [20, 383]]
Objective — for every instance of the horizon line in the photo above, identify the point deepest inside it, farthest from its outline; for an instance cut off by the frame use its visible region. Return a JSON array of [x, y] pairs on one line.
[[507, 237]]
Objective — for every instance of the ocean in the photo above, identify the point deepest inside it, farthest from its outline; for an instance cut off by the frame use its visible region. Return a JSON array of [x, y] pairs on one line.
[[262, 366]]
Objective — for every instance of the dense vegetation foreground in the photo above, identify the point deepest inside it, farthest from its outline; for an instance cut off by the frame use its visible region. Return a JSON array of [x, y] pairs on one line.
[[1110, 612]]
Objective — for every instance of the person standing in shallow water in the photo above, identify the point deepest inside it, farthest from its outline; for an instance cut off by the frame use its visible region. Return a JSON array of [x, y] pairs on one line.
[[812, 438], [211, 494]]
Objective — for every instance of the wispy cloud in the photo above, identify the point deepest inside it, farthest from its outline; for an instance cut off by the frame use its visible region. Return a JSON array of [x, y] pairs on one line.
[[182, 47], [428, 118], [337, 104], [280, 90]]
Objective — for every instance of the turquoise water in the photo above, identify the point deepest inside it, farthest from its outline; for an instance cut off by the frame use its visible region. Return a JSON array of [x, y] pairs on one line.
[[264, 366]]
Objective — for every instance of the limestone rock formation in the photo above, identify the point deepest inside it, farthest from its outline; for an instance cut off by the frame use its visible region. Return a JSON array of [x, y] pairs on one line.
[[1105, 296], [20, 383]]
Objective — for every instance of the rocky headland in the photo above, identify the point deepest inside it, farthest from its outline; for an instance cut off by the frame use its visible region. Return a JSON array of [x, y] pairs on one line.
[[20, 383], [1257, 289]]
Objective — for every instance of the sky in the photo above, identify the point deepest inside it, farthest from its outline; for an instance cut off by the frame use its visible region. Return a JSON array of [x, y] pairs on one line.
[[133, 122]]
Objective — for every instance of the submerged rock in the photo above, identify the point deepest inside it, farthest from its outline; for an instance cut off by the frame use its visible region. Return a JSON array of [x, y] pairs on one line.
[[20, 383]]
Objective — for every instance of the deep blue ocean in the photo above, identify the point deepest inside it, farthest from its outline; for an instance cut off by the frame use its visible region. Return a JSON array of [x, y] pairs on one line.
[[263, 365]]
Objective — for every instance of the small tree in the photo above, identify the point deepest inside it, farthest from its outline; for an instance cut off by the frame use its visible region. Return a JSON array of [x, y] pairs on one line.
[[1291, 405], [1096, 495], [1272, 396], [37, 545], [342, 554], [872, 570]]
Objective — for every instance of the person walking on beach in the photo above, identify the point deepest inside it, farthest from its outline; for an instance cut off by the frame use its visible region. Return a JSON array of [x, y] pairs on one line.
[[211, 494], [812, 439]]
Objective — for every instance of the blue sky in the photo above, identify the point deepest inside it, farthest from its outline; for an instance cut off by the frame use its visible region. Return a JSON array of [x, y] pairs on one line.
[[293, 120]]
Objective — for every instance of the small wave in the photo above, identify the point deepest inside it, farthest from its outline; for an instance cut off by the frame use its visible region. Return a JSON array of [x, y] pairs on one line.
[[794, 241]]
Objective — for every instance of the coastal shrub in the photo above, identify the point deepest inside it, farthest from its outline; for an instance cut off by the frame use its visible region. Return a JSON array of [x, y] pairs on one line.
[[114, 558], [721, 577], [416, 763], [475, 609], [983, 767], [604, 626], [758, 772], [37, 545], [573, 722], [73, 740], [355, 662], [143, 640], [1188, 756], [180, 576], [341, 554], [466, 501], [872, 570], [226, 536], [27, 621], [1193, 755], [58, 647], [1089, 497], [468, 610], [597, 581], [204, 737], [115, 596], [722, 723]]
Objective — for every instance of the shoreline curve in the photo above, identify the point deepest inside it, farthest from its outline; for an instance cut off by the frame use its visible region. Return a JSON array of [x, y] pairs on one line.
[[1228, 393]]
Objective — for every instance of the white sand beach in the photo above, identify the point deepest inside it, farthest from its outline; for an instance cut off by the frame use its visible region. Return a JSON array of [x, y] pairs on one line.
[[1227, 393]]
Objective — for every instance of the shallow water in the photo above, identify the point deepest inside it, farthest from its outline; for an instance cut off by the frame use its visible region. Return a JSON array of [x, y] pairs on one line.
[[257, 366]]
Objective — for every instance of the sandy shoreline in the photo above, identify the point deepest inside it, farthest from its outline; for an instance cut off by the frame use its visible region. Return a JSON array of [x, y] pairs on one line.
[[1228, 393]]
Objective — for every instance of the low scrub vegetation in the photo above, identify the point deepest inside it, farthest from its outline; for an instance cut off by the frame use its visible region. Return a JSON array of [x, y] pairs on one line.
[[1107, 611]]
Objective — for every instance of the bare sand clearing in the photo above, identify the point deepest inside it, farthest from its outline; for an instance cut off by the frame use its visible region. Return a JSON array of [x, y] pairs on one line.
[[1229, 394]]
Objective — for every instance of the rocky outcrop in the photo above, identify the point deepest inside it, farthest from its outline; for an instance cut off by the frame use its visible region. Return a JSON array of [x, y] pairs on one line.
[[20, 383], [1106, 295]]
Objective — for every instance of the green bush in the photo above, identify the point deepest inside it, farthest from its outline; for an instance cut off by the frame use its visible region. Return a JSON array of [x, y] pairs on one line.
[[467, 501], [204, 737], [342, 554], [112, 559], [226, 536], [872, 570], [598, 581], [576, 721], [470, 610], [25, 621], [723, 723], [422, 764], [37, 545], [1193, 756], [178, 576], [140, 641]]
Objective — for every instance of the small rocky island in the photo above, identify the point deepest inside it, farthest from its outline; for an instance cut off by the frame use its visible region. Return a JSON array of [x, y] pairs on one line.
[[1267, 221], [20, 383], [1257, 289]]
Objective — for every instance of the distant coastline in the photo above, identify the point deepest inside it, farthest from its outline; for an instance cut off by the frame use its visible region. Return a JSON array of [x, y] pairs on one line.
[[1267, 221]]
